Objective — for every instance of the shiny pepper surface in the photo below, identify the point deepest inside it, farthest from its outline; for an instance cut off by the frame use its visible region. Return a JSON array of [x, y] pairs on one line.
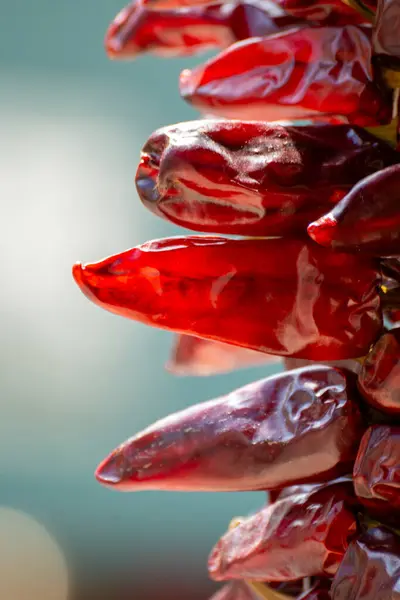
[[300, 536], [280, 296], [367, 219], [200, 357], [253, 178], [179, 32], [370, 569], [379, 379], [296, 426], [292, 75], [377, 473]]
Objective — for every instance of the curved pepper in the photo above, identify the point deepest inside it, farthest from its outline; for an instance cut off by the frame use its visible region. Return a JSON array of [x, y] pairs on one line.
[[292, 75], [377, 472], [367, 219], [379, 379], [370, 569], [137, 30], [253, 178], [280, 296], [199, 357], [302, 535], [275, 432]]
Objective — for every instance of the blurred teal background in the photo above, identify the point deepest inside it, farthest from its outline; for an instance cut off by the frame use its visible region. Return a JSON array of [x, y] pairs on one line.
[[77, 381]]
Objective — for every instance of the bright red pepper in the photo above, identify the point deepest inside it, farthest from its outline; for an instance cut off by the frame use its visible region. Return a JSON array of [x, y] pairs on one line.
[[377, 472], [367, 219], [370, 569], [294, 301], [379, 379], [275, 432], [197, 356], [292, 75], [253, 178], [179, 32], [300, 536]]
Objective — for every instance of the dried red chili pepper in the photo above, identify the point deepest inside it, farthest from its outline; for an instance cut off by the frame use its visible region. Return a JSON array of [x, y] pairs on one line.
[[292, 75], [367, 219], [377, 472], [327, 12], [300, 536], [370, 569], [253, 178], [386, 37], [197, 356], [379, 379], [181, 32], [275, 432], [219, 288]]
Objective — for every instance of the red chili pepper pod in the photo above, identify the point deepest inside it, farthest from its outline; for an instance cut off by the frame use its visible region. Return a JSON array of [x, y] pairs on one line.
[[253, 178], [370, 569], [379, 379], [181, 32], [377, 472], [279, 296], [199, 357], [292, 75], [386, 36], [327, 12], [275, 432], [367, 219], [303, 535]]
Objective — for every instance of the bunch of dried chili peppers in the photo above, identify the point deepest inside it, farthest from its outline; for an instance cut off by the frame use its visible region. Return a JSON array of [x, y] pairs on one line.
[[315, 279]]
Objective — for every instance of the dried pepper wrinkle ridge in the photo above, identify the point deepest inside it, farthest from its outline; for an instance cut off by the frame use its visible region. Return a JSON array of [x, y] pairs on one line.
[[230, 299]]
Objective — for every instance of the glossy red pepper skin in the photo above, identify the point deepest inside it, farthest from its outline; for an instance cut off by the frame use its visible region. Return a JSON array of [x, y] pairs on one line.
[[293, 427], [199, 357], [253, 178], [218, 288], [292, 75], [137, 30], [379, 379], [376, 473], [370, 569], [367, 219], [300, 536]]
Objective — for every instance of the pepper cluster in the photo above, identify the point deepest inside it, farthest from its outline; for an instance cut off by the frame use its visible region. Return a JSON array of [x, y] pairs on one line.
[[315, 278]]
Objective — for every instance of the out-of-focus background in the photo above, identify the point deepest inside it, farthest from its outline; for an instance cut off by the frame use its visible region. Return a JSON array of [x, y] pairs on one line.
[[77, 381]]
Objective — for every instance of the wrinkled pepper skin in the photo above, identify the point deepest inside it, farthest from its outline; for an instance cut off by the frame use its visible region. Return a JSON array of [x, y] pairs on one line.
[[293, 427], [136, 30], [379, 379], [327, 12], [295, 74], [377, 473], [221, 289], [370, 569], [253, 178], [199, 357], [300, 536], [386, 36], [367, 219]]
